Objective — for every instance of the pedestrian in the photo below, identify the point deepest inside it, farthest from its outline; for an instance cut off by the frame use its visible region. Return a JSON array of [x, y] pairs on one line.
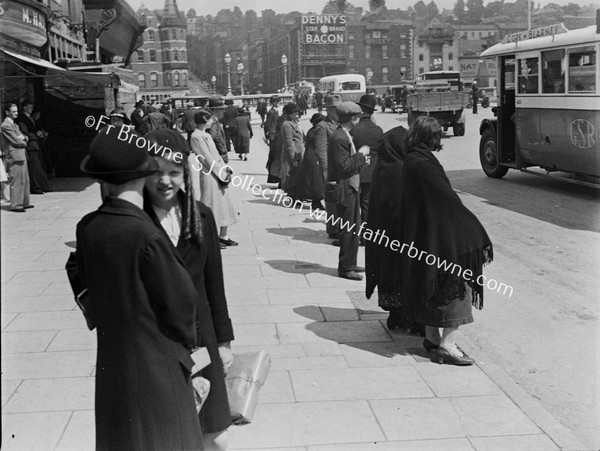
[[216, 129], [144, 315], [324, 133], [14, 145], [271, 130], [319, 100], [211, 177], [243, 134], [261, 110], [155, 120], [292, 149], [190, 225], [366, 133], [431, 294], [311, 180], [137, 116], [229, 116], [118, 117], [38, 179], [343, 186], [474, 95], [187, 119]]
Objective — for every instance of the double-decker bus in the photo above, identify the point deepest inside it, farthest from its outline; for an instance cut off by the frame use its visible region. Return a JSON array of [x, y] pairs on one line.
[[548, 113], [350, 86]]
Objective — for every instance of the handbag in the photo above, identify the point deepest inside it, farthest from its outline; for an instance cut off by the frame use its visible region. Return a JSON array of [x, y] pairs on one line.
[[246, 376], [227, 180], [81, 293]]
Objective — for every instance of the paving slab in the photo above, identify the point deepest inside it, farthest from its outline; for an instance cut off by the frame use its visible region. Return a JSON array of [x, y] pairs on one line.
[[80, 433], [452, 444], [63, 393], [29, 341], [537, 442], [41, 365], [32, 431]]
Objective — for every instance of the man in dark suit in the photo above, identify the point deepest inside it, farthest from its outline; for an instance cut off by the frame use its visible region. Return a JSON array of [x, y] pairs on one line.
[[229, 116], [325, 130], [137, 117], [143, 308], [343, 186], [366, 133], [216, 129], [270, 130]]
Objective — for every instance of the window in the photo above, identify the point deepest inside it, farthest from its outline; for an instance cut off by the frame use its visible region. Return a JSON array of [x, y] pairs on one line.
[[140, 56], [174, 34], [183, 56], [153, 80], [421, 58], [351, 51], [384, 51], [553, 74], [528, 75], [142, 80], [176, 79], [351, 36], [384, 74], [166, 56], [420, 44], [175, 55], [152, 56], [404, 71], [451, 68], [150, 35], [402, 50], [582, 69], [168, 81], [184, 79], [450, 56], [377, 35], [421, 70], [367, 51]]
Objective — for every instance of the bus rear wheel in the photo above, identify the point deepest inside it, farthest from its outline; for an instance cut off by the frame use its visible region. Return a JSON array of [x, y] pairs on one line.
[[488, 156]]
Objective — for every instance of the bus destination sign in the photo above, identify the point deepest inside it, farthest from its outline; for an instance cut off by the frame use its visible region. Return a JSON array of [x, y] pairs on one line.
[[550, 30]]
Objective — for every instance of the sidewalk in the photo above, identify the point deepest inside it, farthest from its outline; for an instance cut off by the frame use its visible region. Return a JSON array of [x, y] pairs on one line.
[[339, 380]]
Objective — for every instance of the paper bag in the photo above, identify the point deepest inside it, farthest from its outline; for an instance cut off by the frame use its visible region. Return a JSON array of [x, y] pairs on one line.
[[246, 376]]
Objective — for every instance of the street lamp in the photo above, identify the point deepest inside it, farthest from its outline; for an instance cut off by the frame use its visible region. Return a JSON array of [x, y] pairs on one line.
[[240, 69], [284, 61], [214, 83], [228, 62]]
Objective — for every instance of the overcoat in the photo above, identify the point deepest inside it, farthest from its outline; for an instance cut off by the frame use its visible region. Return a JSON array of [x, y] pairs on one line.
[[342, 163], [207, 168], [213, 325], [292, 151], [312, 179], [37, 173], [367, 133], [143, 305], [243, 131]]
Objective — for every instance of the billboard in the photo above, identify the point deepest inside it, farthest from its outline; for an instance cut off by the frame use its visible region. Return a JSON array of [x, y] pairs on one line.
[[324, 29]]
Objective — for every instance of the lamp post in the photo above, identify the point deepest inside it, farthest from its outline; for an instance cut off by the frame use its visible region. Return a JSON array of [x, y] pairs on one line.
[[228, 62], [240, 69], [260, 86], [214, 83], [284, 61]]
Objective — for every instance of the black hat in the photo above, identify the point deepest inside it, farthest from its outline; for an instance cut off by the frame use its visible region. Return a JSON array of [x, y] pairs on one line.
[[316, 118], [139, 103], [228, 101], [368, 101], [290, 108], [169, 139], [120, 112], [118, 155], [274, 99], [215, 102]]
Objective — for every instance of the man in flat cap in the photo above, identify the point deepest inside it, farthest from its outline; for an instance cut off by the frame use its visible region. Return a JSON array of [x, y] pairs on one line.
[[343, 187], [188, 123], [229, 115], [143, 306], [324, 131], [366, 133]]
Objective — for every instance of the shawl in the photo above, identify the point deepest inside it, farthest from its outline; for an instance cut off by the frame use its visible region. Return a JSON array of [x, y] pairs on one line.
[[383, 265], [437, 222]]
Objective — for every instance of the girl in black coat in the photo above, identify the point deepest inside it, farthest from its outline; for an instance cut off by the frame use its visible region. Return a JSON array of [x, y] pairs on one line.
[[191, 227]]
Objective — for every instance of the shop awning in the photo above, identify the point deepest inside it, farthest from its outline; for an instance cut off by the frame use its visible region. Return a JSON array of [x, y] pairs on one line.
[[32, 60]]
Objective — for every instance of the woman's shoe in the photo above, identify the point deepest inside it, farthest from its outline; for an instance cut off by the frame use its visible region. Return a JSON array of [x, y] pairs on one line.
[[228, 242], [394, 321], [223, 246], [442, 355], [245, 158], [429, 345]]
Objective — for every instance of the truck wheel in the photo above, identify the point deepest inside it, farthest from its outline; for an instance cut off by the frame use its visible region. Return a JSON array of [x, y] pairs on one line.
[[458, 129], [488, 156]]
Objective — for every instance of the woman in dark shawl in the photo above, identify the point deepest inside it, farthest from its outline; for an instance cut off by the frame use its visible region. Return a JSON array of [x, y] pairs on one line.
[[444, 247], [311, 183]]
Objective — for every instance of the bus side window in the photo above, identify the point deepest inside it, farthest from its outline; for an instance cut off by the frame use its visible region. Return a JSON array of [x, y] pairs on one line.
[[553, 74], [528, 76], [582, 69]]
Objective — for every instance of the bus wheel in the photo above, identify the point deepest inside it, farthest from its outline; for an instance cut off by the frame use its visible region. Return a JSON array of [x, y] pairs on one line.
[[458, 129], [488, 156]]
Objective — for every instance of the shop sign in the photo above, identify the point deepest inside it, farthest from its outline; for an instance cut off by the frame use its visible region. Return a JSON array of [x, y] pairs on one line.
[[323, 29], [319, 62], [23, 22], [18, 46]]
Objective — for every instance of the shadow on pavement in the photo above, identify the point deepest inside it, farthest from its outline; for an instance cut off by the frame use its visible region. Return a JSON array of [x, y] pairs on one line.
[[554, 201], [301, 234], [72, 184], [300, 267]]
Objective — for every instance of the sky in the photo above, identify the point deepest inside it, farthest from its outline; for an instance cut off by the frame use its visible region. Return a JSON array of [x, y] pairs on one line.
[[204, 7]]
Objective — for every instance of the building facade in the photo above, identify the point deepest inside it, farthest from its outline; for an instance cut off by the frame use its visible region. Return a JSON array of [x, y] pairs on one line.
[[435, 48]]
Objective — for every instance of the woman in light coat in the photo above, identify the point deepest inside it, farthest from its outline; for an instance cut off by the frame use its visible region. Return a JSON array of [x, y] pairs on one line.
[[292, 141], [210, 176]]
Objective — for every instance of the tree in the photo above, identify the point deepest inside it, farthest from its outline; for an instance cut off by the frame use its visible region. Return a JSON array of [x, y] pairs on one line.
[[269, 17], [250, 19], [476, 10], [191, 13], [494, 8], [432, 10], [572, 9], [420, 9], [335, 7], [459, 11], [374, 4]]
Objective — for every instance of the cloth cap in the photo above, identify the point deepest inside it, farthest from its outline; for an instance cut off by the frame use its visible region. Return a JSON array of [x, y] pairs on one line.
[[139, 103], [228, 102], [117, 157], [333, 100], [274, 99], [346, 110], [316, 118], [368, 101], [290, 108]]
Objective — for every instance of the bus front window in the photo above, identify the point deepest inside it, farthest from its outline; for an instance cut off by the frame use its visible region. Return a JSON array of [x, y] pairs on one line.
[[528, 76]]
